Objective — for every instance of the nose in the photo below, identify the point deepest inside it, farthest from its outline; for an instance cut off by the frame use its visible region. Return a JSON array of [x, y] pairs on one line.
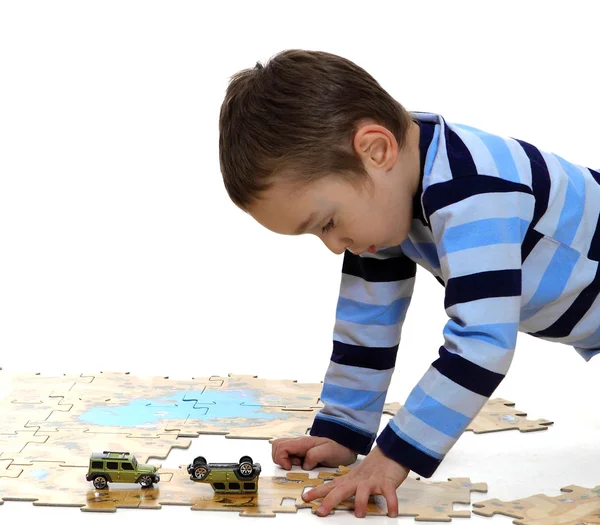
[[337, 246]]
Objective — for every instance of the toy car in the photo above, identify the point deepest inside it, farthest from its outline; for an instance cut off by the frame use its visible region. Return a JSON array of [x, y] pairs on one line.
[[119, 467], [236, 478]]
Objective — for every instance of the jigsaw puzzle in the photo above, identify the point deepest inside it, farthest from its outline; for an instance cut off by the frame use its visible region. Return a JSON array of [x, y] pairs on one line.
[[431, 501], [118, 403], [49, 426], [577, 506]]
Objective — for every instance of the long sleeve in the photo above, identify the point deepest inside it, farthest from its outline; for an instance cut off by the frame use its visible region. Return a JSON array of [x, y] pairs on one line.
[[478, 224], [374, 296]]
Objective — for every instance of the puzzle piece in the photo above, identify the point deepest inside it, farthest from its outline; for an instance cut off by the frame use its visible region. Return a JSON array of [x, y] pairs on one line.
[[496, 415], [251, 391], [118, 386], [7, 470], [73, 447], [12, 444], [425, 501], [46, 484], [15, 414], [579, 505], [34, 387]]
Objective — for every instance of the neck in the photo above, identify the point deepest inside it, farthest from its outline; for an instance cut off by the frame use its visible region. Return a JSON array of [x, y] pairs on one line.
[[411, 157]]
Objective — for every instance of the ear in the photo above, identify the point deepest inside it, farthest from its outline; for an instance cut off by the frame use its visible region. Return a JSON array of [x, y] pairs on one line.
[[376, 146]]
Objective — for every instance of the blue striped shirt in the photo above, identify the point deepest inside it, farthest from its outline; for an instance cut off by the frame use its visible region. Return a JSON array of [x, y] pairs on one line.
[[513, 234]]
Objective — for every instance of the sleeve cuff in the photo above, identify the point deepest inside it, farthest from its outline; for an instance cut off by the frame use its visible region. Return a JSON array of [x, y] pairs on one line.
[[360, 441], [408, 455]]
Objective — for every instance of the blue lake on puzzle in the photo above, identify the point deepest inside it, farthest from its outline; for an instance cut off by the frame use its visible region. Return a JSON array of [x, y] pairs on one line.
[[212, 407]]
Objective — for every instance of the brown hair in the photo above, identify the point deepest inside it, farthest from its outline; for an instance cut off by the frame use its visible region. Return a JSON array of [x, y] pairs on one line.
[[298, 113]]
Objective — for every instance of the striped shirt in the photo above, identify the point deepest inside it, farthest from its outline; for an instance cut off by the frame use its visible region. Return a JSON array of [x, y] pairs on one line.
[[513, 234]]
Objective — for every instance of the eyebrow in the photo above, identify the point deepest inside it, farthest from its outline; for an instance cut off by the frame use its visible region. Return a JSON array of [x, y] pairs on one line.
[[302, 228]]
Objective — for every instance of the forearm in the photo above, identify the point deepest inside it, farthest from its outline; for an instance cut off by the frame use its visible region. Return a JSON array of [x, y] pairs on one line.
[[374, 297]]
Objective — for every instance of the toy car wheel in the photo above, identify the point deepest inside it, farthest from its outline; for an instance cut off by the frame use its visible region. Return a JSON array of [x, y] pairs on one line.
[[200, 460], [146, 481], [100, 482], [200, 471], [246, 468]]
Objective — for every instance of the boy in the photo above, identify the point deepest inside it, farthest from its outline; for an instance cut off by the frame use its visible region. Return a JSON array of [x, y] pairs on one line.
[[310, 143]]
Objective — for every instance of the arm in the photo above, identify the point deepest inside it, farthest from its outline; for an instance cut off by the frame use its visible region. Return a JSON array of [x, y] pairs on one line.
[[478, 224], [374, 296]]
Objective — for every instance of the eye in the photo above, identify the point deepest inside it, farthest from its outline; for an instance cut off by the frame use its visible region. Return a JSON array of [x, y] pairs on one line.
[[328, 226]]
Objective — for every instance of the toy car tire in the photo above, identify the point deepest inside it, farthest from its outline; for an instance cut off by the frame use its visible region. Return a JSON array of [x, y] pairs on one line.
[[100, 482], [246, 467], [200, 471], [146, 481]]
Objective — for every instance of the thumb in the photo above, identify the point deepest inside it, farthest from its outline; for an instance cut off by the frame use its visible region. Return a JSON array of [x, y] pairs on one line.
[[315, 456]]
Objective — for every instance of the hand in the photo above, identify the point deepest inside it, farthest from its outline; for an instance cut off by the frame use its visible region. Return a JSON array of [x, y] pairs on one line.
[[310, 451], [376, 474]]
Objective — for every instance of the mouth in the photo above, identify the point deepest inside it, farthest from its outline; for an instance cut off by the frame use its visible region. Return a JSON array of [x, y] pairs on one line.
[[370, 249]]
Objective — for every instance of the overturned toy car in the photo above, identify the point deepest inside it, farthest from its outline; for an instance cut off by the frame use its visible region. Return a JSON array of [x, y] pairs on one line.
[[233, 478]]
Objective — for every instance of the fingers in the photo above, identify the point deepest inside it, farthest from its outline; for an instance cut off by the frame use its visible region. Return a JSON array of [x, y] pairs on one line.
[[284, 450], [279, 455], [363, 491], [336, 491], [316, 455], [320, 491], [337, 495], [391, 498]]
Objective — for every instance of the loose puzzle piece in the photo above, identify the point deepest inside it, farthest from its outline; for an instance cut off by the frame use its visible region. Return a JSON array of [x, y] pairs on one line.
[[426, 501], [496, 415], [499, 414], [579, 505]]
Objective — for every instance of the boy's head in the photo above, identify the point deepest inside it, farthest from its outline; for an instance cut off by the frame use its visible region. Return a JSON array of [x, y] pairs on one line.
[[310, 128]]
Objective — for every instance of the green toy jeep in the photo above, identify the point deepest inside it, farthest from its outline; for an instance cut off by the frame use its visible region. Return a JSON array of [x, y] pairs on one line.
[[119, 467], [232, 478]]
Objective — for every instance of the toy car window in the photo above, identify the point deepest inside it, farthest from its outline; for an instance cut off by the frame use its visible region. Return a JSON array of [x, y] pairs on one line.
[[249, 486], [234, 486], [112, 465], [220, 486], [97, 464], [126, 466]]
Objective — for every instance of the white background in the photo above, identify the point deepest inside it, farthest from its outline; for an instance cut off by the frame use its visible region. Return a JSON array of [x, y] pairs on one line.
[[120, 251]]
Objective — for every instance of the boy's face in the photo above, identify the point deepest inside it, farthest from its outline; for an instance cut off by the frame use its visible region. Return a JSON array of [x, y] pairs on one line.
[[343, 215], [358, 217]]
